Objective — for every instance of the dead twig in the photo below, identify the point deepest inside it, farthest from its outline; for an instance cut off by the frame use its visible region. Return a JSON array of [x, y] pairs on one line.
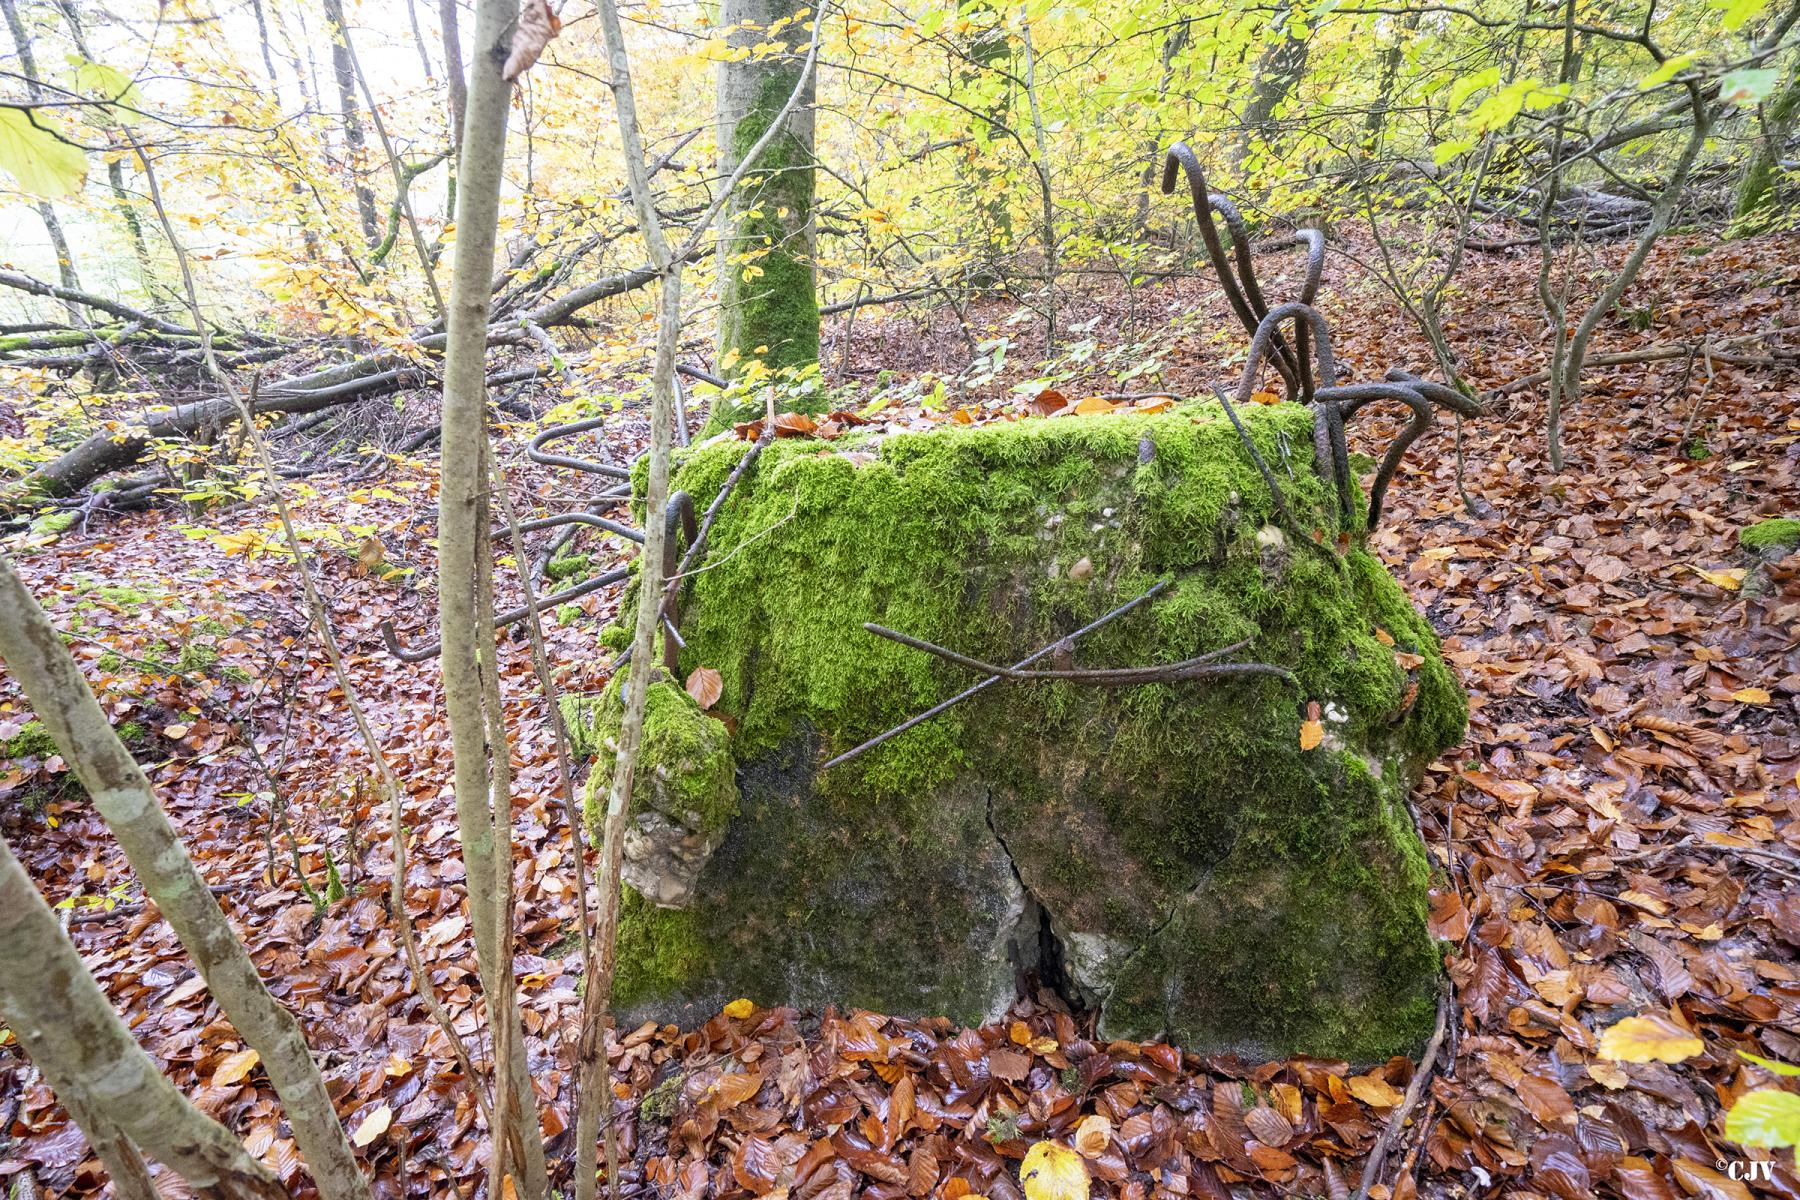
[[1066, 643], [1415, 1089]]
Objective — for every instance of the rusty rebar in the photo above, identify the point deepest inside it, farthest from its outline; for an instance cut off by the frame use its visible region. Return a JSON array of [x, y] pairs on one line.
[[1201, 667], [1063, 643]]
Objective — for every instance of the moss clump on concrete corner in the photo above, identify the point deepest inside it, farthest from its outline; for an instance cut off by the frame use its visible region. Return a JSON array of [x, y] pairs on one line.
[[685, 769], [1206, 877], [1777, 534]]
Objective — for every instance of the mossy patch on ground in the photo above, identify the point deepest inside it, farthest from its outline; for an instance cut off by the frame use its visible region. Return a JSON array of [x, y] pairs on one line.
[[1206, 877], [1775, 535]]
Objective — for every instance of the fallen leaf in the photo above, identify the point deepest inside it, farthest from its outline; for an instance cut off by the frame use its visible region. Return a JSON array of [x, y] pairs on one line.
[[705, 685], [793, 424], [1650, 1037], [1374, 1091], [373, 1126], [234, 1067], [1053, 1172], [1092, 1136], [1091, 405], [1751, 695]]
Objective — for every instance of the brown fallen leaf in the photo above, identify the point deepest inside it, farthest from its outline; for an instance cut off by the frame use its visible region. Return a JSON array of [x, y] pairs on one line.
[[705, 685]]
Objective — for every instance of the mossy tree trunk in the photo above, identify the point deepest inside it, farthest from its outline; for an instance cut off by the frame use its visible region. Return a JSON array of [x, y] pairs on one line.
[[768, 309], [1756, 191], [1280, 68]]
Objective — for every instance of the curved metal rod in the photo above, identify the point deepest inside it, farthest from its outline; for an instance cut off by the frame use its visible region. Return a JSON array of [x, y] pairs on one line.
[[1347, 400], [1314, 241], [537, 454], [1331, 454], [1247, 301], [1439, 394], [678, 522], [1269, 332], [510, 617], [574, 518]]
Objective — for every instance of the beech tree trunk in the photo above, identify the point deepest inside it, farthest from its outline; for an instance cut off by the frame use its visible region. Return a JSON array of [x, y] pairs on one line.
[[59, 695], [768, 305], [345, 72], [483, 811], [1756, 191], [1281, 67], [65, 1023]]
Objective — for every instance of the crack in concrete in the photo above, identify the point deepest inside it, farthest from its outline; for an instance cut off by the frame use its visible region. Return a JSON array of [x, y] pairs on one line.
[[1046, 953]]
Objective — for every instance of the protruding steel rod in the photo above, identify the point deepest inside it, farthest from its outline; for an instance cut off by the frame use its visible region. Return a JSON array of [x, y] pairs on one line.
[[510, 617], [536, 452], [1061, 643]]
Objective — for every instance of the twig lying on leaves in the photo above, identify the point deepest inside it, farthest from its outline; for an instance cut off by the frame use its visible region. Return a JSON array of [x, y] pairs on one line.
[[1415, 1089]]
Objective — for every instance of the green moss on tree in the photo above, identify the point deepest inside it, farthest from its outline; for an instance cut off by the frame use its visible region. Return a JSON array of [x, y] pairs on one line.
[[769, 308]]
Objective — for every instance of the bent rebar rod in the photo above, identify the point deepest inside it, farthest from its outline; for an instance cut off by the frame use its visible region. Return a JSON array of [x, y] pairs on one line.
[[1189, 668], [1268, 335], [537, 454], [574, 518], [1246, 297], [944, 705], [509, 617]]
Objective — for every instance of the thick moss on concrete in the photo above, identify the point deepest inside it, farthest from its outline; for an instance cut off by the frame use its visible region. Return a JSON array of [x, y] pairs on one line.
[[1200, 874], [685, 768], [1776, 535]]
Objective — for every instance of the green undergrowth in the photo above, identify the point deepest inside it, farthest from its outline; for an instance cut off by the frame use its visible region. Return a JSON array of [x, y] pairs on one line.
[[1130, 811]]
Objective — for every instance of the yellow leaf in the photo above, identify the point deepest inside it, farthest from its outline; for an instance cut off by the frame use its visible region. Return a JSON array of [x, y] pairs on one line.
[[1728, 579], [1651, 1037], [1374, 1091], [1765, 1117], [1751, 695], [1265, 397], [235, 1067], [1092, 1136], [1053, 1172], [1093, 404], [740, 1008], [373, 1126], [1311, 734], [1608, 1075]]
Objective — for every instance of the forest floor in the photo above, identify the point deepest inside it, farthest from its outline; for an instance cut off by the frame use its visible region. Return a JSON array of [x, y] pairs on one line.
[[1616, 835]]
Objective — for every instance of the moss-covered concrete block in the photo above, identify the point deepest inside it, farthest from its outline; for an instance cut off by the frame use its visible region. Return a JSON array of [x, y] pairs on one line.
[[1167, 853], [1772, 538]]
